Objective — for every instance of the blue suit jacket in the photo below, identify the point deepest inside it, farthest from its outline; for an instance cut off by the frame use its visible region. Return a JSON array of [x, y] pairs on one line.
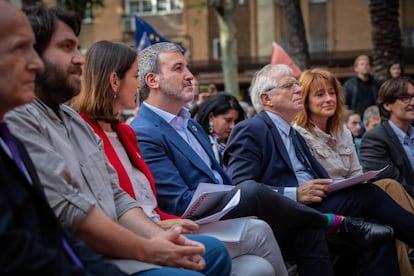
[[176, 167], [255, 151]]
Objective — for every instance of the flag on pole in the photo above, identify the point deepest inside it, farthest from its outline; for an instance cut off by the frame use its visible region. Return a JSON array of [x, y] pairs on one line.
[[146, 35], [279, 56], [144, 42]]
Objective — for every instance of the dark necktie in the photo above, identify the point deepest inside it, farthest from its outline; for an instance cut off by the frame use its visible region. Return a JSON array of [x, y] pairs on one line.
[[300, 152], [11, 144], [10, 141]]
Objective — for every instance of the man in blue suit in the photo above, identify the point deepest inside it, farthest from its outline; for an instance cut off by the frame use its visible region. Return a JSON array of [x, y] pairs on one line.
[[180, 157], [261, 149]]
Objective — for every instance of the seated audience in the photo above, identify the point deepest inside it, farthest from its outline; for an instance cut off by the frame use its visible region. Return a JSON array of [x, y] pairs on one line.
[[178, 151], [390, 144], [218, 115], [100, 103], [33, 241], [81, 186], [280, 158], [323, 129]]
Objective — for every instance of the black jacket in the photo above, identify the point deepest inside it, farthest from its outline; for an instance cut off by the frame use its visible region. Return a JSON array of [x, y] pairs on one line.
[[30, 234]]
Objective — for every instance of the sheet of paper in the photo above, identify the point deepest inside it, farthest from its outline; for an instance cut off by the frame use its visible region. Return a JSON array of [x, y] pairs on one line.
[[217, 216], [206, 198], [348, 182], [229, 230]]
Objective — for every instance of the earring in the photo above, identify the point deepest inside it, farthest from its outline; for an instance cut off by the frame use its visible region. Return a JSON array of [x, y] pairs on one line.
[[210, 127], [115, 95]]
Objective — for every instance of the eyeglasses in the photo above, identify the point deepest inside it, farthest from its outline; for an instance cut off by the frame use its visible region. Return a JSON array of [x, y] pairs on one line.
[[289, 85], [285, 86], [406, 98]]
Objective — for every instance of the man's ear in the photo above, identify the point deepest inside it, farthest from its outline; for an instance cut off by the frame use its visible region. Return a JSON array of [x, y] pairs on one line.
[[387, 107], [152, 80], [114, 81], [264, 97]]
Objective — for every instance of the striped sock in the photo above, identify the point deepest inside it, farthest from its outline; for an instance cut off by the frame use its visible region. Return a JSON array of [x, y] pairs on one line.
[[333, 222]]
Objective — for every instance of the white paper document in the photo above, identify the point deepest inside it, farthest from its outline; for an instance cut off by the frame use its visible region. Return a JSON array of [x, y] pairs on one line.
[[207, 200], [348, 182], [217, 216], [229, 230]]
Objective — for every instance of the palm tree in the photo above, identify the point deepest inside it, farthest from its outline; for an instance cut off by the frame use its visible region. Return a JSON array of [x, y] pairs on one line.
[[298, 44], [225, 10], [386, 35]]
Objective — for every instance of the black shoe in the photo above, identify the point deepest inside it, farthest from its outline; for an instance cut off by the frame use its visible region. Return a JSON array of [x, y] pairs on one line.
[[366, 234]]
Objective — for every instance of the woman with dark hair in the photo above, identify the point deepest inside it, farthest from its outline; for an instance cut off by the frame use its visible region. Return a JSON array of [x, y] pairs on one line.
[[395, 69], [109, 85], [218, 115]]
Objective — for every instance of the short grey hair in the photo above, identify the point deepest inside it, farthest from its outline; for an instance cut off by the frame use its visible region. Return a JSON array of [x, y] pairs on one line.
[[371, 111], [264, 82], [148, 62]]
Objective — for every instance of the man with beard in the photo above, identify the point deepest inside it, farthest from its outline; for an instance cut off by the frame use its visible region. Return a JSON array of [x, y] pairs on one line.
[[81, 186], [33, 241]]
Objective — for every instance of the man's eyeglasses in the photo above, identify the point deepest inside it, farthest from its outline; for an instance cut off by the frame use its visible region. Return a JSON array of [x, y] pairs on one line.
[[406, 98], [289, 85], [285, 86]]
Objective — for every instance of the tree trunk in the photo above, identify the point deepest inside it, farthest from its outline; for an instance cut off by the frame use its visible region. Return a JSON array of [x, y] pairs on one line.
[[225, 11], [298, 45], [386, 35]]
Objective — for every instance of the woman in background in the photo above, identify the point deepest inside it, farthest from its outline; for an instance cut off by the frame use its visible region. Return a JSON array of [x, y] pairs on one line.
[[395, 69], [218, 115], [109, 85], [322, 125]]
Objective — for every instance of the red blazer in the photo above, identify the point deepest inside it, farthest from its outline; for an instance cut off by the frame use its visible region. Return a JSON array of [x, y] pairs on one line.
[[128, 139]]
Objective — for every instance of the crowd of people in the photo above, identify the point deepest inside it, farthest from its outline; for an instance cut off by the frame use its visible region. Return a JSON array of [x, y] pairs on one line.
[[85, 193]]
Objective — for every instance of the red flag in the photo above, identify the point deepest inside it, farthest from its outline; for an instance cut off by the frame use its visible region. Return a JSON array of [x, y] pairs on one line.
[[279, 56]]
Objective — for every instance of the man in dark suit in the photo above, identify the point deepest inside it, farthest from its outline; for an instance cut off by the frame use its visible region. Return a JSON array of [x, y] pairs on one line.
[[31, 237], [180, 157], [392, 142], [264, 149]]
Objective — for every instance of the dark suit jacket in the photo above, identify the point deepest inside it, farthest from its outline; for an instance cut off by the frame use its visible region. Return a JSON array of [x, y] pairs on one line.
[[30, 235], [381, 147], [255, 151], [176, 167]]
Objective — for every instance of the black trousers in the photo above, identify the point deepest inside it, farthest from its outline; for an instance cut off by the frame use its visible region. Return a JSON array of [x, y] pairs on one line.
[[299, 229]]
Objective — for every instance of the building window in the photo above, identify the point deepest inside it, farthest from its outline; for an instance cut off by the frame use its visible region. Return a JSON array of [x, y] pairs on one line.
[[153, 7]]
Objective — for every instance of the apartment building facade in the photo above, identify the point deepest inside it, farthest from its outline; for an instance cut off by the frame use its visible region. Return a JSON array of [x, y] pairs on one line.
[[337, 31]]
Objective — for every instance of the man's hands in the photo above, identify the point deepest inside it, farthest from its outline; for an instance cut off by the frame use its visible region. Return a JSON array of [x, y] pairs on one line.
[[188, 226], [313, 191], [173, 249]]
